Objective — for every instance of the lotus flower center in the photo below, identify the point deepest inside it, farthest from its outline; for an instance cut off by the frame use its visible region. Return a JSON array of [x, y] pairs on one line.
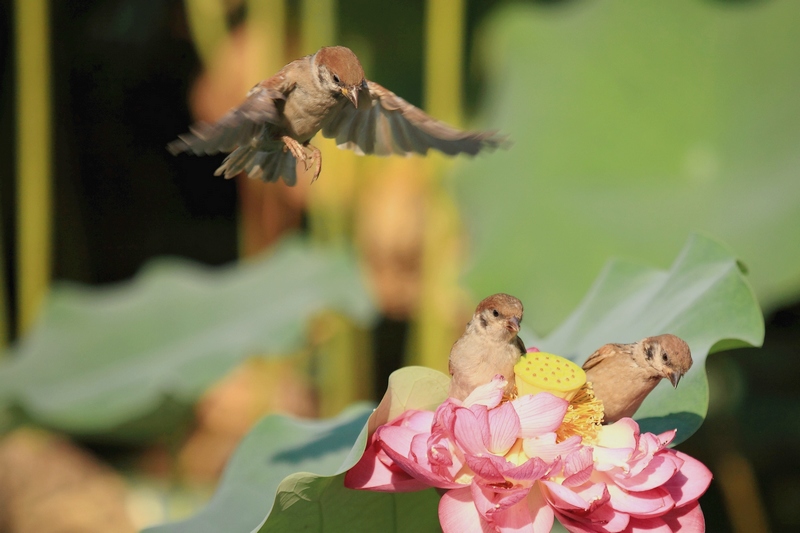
[[544, 372]]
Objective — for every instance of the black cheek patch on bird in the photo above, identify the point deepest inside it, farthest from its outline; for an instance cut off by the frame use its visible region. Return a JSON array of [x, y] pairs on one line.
[[649, 353]]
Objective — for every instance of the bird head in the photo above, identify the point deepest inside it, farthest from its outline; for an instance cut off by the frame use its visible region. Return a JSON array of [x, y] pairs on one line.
[[340, 72], [669, 356], [500, 314]]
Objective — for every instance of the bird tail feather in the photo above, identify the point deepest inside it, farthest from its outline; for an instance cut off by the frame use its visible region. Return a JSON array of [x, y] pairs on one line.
[[264, 165]]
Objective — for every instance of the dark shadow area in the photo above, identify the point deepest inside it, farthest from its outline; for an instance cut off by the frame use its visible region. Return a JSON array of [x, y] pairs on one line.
[[754, 418], [684, 422], [7, 167], [121, 78], [389, 337]]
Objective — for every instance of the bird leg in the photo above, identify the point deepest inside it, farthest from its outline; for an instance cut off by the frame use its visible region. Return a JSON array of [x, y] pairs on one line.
[[316, 161], [295, 147], [299, 152]]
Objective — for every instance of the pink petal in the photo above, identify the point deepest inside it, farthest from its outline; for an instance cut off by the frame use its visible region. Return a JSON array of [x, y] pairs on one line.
[[667, 437], [503, 428], [687, 519], [489, 501], [566, 499], [419, 421], [444, 417], [471, 429], [457, 513], [396, 442], [439, 453], [489, 394], [443, 459], [650, 444], [594, 514], [371, 474], [546, 448], [624, 433], [649, 525], [607, 458], [419, 449], [397, 438], [578, 467], [659, 470], [651, 502], [519, 509], [519, 518], [539, 413], [541, 513], [604, 519], [488, 467], [690, 482], [530, 470]]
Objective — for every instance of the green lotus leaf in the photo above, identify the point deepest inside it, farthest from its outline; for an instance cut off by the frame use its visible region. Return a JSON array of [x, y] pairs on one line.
[[284, 467], [703, 298], [124, 360]]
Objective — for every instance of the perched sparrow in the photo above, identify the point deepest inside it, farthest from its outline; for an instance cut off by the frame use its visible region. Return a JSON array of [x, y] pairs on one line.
[[622, 375], [488, 347], [270, 131]]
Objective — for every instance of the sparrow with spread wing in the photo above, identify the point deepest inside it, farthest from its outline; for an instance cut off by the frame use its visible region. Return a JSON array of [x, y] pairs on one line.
[[270, 131]]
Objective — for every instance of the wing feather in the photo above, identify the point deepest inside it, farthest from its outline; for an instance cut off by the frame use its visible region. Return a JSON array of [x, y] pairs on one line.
[[384, 124], [605, 352], [238, 127]]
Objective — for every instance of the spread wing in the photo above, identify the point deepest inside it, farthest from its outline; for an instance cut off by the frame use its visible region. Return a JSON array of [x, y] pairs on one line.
[[237, 128], [386, 124]]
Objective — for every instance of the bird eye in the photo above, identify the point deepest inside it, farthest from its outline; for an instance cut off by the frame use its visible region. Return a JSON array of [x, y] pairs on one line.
[[335, 78], [495, 313], [664, 357]]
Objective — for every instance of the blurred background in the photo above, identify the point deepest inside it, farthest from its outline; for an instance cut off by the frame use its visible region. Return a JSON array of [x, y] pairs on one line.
[[634, 125]]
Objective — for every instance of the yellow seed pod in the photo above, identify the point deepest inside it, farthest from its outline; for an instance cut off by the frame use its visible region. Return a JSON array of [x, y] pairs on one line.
[[544, 372]]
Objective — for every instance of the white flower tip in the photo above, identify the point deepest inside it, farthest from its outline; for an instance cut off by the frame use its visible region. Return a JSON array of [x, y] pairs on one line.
[[488, 394]]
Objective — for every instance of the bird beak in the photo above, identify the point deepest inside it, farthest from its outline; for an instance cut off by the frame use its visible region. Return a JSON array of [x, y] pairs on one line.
[[513, 324], [351, 94], [674, 378]]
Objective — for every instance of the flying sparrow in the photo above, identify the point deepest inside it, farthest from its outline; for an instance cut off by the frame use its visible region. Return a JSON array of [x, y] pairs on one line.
[[270, 131], [489, 346], [622, 375]]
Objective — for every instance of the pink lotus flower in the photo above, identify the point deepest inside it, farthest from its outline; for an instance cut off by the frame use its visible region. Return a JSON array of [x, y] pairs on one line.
[[489, 453], [635, 483], [505, 467]]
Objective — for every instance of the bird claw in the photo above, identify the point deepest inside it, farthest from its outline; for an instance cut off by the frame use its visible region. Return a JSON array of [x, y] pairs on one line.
[[509, 395], [295, 147], [316, 162]]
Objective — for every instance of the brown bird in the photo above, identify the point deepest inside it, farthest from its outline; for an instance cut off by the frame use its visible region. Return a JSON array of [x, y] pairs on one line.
[[270, 131], [622, 375], [489, 346]]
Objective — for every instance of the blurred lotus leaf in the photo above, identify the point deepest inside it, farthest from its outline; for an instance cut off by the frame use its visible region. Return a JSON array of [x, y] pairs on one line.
[[108, 360], [284, 465], [635, 123], [704, 298]]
